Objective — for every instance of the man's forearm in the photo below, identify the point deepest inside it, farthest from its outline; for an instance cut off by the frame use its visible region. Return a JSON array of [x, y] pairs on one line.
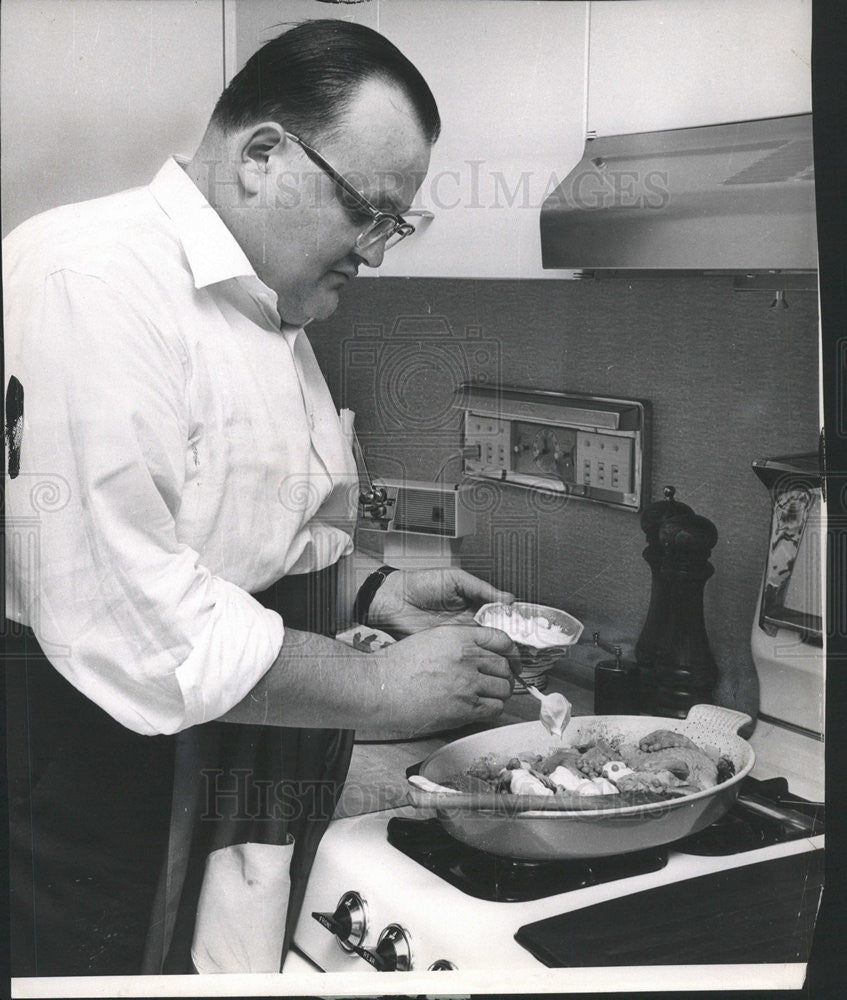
[[316, 682]]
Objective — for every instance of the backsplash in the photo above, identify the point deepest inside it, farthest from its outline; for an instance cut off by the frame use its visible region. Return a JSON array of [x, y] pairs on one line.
[[729, 379]]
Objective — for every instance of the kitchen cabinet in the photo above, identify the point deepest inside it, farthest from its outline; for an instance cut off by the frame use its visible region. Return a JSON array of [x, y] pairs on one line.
[[663, 64], [509, 79], [97, 93]]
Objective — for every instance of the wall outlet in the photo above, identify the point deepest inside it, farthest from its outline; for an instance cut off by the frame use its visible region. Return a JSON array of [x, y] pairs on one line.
[[604, 462]]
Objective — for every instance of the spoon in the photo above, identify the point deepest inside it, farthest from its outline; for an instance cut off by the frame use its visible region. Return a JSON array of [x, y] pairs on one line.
[[429, 786], [555, 709]]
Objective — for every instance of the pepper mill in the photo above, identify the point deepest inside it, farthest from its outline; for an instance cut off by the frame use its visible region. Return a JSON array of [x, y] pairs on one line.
[[685, 672], [648, 642]]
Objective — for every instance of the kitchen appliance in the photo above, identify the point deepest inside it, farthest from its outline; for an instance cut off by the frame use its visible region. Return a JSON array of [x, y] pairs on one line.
[[412, 524], [787, 633], [403, 894], [719, 198], [592, 448], [599, 832], [442, 510]]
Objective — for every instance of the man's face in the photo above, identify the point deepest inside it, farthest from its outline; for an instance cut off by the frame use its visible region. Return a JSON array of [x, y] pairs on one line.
[[303, 234]]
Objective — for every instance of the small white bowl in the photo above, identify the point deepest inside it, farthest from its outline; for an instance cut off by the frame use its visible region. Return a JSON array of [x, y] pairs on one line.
[[541, 633]]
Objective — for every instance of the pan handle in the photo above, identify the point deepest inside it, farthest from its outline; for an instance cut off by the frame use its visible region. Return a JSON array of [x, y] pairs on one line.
[[716, 721]]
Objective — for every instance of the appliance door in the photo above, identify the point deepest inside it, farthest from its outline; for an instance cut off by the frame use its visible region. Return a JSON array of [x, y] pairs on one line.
[[587, 833], [787, 635]]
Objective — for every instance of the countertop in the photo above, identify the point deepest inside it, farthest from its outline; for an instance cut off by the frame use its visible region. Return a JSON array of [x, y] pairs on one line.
[[377, 776]]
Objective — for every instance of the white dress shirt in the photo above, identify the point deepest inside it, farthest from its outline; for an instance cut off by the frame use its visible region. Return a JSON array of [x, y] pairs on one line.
[[180, 449]]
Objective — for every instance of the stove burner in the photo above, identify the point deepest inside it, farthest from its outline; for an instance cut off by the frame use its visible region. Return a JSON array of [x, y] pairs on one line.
[[509, 880]]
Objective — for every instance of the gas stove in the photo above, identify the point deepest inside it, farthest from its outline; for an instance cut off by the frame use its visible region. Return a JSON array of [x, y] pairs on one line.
[[393, 891]]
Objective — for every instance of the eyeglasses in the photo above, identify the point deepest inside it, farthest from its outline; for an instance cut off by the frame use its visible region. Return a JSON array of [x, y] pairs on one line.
[[383, 225]]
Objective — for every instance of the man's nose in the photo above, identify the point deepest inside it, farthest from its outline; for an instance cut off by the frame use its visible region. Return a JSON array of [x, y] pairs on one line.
[[372, 255]]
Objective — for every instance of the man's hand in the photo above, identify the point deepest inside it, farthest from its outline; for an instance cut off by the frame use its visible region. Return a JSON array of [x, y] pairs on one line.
[[411, 600], [434, 680], [444, 677]]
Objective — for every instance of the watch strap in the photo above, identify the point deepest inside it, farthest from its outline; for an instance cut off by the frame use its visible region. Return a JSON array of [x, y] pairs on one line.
[[367, 591]]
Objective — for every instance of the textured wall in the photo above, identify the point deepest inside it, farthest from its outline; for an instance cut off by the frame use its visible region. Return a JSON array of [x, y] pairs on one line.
[[729, 379]]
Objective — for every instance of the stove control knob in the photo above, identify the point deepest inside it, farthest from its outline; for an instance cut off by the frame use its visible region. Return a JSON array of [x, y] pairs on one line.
[[393, 952], [394, 947], [441, 965], [349, 921]]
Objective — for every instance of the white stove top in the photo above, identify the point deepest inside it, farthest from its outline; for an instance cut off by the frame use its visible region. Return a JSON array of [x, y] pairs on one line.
[[442, 922]]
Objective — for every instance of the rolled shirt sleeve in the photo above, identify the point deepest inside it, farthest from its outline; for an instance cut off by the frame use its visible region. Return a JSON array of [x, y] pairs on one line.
[[125, 611]]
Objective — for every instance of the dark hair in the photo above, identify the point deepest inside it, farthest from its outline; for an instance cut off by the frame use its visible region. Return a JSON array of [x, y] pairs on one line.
[[306, 77]]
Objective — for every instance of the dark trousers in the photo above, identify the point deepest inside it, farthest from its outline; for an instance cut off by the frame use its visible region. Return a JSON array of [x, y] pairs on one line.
[[109, 830]]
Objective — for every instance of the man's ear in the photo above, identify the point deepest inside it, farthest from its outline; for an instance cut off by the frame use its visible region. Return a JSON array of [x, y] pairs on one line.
[[256, 145]]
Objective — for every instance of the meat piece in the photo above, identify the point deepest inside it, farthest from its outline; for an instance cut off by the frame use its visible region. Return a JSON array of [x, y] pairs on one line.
[[561, 757], [527, 761], [649, 781], [486, 768], [466, 782], [543, 778], [691, 765], [726, 769], [591, 762], [663, 739]]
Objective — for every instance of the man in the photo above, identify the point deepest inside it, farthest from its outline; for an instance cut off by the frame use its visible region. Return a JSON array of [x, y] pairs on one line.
[[179, 605]]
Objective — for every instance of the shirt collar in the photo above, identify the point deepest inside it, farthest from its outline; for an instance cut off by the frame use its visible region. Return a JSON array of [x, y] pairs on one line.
[[211, 250]]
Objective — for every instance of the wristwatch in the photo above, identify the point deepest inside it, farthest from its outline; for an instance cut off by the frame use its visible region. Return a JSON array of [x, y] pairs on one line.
[[366, 593]]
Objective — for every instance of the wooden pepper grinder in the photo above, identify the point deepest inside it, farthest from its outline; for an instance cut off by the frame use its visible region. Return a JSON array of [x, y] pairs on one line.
[[647, 645], [685, 670]]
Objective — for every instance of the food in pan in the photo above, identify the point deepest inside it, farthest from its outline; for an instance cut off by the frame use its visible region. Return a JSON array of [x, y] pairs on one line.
[[662, 765]]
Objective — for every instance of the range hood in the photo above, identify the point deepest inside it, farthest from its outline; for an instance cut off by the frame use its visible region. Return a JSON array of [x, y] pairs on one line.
[[736, 198]]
